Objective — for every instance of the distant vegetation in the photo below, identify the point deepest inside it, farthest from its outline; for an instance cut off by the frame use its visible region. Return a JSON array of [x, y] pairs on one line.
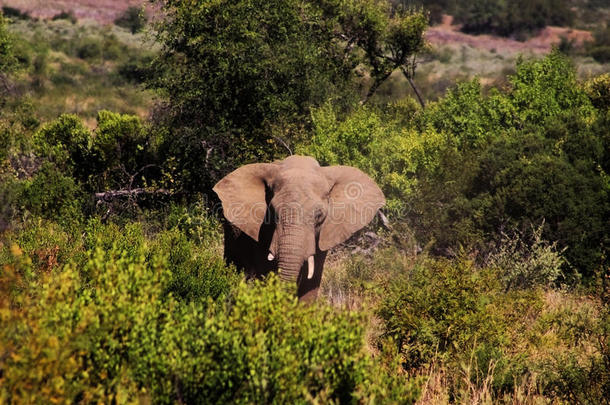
[[490, 284], [518, 19], [134, 19]]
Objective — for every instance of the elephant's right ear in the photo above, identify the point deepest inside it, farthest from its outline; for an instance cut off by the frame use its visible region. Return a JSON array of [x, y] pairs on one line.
[[242, 193]]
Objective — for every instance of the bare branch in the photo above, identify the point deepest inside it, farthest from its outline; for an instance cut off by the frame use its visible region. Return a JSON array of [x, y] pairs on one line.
[[280, 140], [136, 192]]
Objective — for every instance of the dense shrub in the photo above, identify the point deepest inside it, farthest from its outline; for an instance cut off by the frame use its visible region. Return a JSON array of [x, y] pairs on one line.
[[66, 142], [65, 15], [108, 330], [439, 307], [232, 103], [519, 157], [526, 261], [474, 165], [455, 317], [7, 58], [114, 156], [133, 19], [53, 195], [138, 69], [600, 47], [379, 144], [598, 90]]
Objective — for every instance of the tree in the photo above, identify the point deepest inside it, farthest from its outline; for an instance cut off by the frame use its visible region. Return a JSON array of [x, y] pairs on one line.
[[134, 19], [243, 75]]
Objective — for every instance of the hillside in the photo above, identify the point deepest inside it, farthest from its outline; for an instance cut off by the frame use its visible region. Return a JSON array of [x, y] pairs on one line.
[[106, 11], [102, 11]]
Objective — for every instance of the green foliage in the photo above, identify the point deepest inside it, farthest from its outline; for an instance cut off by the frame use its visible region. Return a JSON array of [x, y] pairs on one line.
[[7, 59], [66, 141], [133, 19], [471, 166], [453, 316], [545, 89], [119, 150], [51, 194], [569, 376], [231, 97], [600, 47], [529, 154], [138, 69], [108, 329], [441, 308], [598, 90], [228, 85], [77, 332], [377, 143], [112, 157], [268, 348], [526, 264]]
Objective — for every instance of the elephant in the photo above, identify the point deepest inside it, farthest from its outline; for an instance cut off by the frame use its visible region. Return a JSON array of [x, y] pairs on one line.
[[284, 217]]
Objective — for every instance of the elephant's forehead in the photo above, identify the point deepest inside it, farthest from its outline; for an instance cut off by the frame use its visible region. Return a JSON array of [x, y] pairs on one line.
[[306, 182], [296, 161]]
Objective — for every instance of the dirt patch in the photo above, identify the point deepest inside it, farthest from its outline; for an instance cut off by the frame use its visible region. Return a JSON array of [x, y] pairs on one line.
[[103, 11], [448, 33]]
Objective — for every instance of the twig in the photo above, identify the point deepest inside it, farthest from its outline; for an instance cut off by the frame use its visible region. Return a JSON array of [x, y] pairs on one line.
[[115, 194], [277, 138]]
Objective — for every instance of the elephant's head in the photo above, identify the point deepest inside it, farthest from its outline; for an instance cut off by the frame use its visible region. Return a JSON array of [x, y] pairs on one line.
[[310, 208]]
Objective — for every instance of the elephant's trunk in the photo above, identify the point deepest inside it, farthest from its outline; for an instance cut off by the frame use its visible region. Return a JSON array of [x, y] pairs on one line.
[[290, 253]]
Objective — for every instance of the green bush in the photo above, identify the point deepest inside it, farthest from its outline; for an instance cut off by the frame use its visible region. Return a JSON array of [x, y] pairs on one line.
[[52, 195], [600, 47], [441, 309], [455, 317], [89, 48], [518, 157], [380, 145], [115, 156], [569, 375], [76, 332], [526, 261], [108, 330], [598, 90], [118, 150], [7, 58], [66, 142], [133, 19], [65, 15]]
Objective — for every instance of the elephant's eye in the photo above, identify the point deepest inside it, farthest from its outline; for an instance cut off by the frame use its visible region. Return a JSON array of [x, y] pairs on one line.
[[319, 215]]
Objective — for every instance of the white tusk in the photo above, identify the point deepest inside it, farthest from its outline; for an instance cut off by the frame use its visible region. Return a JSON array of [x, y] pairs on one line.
[[270, 257], [311, 266]]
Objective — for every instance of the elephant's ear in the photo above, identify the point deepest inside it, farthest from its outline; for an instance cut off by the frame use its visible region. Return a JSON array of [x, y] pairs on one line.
[[353, 202], [242, 193]]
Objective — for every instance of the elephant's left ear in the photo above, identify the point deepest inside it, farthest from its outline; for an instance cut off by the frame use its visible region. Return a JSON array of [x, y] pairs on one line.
[[354, 200]]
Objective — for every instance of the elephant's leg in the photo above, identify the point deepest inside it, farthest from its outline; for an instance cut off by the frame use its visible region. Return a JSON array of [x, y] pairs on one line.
[[308, 288]]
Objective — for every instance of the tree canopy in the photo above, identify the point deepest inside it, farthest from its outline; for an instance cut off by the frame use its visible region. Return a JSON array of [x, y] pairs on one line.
[[244, 75]]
